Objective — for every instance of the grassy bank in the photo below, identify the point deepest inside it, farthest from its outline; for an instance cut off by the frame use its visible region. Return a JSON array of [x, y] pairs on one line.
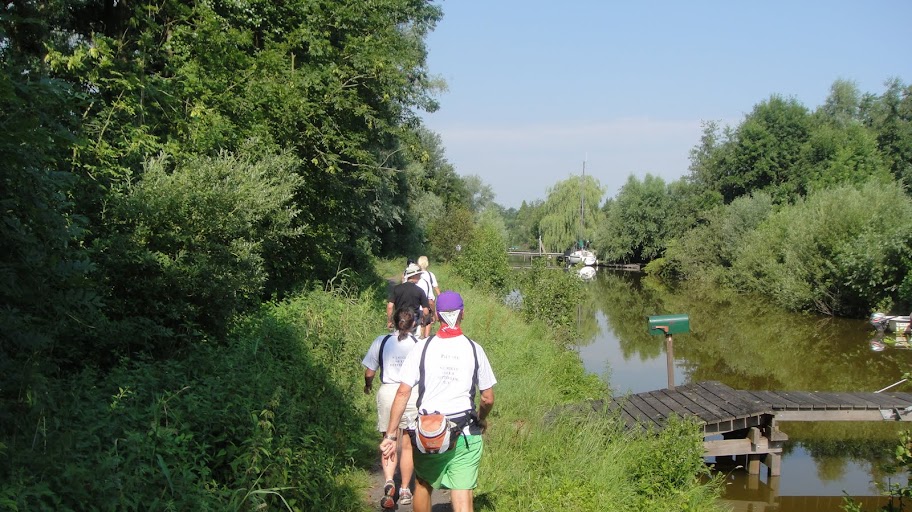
[[273, 417]]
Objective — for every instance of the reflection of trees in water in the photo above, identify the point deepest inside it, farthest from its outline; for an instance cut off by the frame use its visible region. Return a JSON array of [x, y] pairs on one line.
[[743, 342], [627, 306], [834, 445], [586, 319], [748, 344]]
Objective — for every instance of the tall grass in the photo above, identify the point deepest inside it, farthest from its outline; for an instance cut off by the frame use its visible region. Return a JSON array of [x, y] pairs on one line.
[[274, 418]]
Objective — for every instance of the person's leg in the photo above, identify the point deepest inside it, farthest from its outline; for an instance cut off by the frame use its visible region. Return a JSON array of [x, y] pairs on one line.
[[461, 500], [422, 499], [389, 465], [406, 462]]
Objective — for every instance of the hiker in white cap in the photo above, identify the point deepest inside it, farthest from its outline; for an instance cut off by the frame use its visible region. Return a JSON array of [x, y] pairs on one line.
[[408, 295], [447, 368], [429, 280]]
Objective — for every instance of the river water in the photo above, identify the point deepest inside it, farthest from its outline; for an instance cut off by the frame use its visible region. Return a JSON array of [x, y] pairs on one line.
[[746, 344]]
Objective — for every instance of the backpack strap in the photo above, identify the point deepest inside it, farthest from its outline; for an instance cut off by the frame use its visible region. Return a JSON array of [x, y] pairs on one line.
[[421, 384], [382, 344], [421, 373], [475, 374]]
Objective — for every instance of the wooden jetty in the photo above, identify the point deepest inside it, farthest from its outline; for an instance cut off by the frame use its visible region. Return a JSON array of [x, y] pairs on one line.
[[748, 420]]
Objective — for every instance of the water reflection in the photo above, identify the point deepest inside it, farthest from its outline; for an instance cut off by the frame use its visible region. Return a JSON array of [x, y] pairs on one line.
[[747, 344]]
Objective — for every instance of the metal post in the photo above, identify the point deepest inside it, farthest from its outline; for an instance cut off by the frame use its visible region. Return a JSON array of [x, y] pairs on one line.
[[669, 359]]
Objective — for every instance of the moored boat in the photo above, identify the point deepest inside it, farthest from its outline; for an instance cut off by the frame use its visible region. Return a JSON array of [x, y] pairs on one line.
[[890, 323]]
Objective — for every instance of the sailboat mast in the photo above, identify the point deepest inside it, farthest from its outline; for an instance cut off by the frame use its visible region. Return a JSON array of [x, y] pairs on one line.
[[582, 204]]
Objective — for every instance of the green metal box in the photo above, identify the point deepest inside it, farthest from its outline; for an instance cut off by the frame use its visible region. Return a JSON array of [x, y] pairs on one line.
[[669, 324]]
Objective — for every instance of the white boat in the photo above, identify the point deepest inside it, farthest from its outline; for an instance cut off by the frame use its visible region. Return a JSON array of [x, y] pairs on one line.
[[586, 273], [582, 254], [890, 323]]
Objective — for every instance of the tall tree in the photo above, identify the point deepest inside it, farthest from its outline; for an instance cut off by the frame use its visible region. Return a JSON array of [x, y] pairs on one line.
[[639, 221], [890, 116], [480, 194], [571, 212]]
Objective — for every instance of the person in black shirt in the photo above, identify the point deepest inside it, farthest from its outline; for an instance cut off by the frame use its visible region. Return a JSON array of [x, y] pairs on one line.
[[407, 295]]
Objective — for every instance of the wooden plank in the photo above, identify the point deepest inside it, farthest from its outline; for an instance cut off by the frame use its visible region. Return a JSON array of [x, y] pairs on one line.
[[871, 400], [723, 398], [736, 398], [675, 407], [773, 400], [695, 408], [851, 402], [791, 403], [806, 400], [834, 415], [724, 447], [642, 410], [663, 409], [882, 401], [695, 397], [834, 401], [899, 398]]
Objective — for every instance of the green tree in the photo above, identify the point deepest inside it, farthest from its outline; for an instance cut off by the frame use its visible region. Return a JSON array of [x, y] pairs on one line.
[[481, 195], [641, 220], [337, 84], [571, 212], [450, 233], [890, 116], [766, 151], [195, 238], [708, 250], [483, 260], [839, 252]]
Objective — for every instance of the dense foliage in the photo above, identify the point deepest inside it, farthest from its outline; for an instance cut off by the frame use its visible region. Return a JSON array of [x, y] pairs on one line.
[[806, 208], [483, 260], [167, 167], [270, 418], [571, 212], [550, 295]]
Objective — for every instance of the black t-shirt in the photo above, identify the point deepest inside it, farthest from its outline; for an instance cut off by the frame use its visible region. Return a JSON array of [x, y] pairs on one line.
[[408, 295]]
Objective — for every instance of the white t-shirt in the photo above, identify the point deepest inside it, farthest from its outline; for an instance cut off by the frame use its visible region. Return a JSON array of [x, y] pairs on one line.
[[394, 354], [431, 280], [425, 287], [449, 367]]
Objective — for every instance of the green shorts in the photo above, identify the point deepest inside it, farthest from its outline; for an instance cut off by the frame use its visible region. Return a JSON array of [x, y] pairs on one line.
[[453, 469]]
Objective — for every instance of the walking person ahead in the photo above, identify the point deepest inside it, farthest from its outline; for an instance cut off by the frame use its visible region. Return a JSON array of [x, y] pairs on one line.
[[386, 355], [447, 368], [433, 290], [408, 295]]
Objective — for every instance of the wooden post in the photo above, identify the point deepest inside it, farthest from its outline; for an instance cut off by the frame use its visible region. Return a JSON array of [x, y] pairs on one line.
[[669, 360], [773, 463]]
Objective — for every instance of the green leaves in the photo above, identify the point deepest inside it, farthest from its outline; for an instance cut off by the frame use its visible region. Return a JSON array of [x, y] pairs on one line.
[[571, 212], [196, 239]]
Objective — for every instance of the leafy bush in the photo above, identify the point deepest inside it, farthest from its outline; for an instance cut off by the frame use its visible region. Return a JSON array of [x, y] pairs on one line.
[[450, 233], [840, 251], [483, 260], [187, 252], [708, 250], [272, 418], [550, 295]]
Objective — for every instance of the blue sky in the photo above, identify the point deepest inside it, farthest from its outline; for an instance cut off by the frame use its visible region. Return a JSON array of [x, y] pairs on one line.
[[537, 87]]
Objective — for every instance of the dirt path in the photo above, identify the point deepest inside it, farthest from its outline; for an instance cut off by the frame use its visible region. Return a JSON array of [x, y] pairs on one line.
[[440, 500]]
